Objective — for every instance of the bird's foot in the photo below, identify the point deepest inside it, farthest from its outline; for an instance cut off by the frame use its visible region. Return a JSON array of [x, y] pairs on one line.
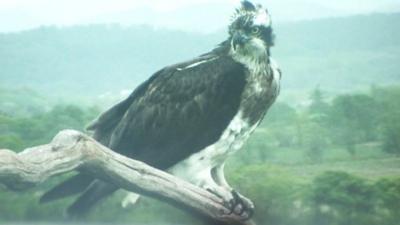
[[235, 202], [241, 205]]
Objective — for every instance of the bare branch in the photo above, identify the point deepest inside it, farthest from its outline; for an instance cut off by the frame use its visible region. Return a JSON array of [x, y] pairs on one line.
[[71, 150]]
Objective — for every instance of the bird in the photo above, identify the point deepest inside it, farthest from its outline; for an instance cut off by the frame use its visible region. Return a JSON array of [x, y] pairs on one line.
[[188, 118]]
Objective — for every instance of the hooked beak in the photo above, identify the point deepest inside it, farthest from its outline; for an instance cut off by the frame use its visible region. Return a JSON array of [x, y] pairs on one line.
[[239, 40]]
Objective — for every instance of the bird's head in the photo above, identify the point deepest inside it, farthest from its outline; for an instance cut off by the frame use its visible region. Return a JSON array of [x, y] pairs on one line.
[[251, 32]]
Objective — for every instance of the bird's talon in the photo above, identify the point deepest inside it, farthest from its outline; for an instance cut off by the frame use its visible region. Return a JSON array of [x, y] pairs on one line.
[[241, 206], [234, 202]]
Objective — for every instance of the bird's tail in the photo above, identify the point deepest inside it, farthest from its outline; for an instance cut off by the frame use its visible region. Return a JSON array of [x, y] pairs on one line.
[[72, 186], [92, 192], [97, 191]]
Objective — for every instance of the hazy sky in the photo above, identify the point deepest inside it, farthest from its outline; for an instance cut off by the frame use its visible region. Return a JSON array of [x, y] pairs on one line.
[[198, 15]]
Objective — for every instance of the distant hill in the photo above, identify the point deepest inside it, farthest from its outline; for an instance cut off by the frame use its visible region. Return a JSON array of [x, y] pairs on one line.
[[91, 59], [340, 54]]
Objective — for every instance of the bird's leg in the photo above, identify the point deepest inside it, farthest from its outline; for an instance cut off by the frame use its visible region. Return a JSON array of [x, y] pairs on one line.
[[209, 184], [213, 180], [239, 204], [219, 177]]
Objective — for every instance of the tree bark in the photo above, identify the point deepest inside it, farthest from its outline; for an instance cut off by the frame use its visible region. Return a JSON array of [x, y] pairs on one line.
[[71, 150]]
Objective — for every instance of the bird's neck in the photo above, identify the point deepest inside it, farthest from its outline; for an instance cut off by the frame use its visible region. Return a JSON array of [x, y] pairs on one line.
[[256, 64]]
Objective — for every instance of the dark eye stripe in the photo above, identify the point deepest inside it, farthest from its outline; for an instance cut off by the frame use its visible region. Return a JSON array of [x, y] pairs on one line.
[[255, 30]]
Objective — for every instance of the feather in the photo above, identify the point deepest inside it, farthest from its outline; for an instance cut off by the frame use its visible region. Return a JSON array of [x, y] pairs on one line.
[[67, 188], [248, 6], [96, 192]]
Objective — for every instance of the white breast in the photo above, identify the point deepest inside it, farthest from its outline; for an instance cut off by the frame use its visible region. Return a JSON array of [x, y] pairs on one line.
[[231, 140]]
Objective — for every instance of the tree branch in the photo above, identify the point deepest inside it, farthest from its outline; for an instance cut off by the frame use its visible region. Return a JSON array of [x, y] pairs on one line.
[[71, 150]]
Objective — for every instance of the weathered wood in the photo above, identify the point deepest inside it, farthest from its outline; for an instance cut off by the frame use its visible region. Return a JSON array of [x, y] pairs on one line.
[[71, 150]]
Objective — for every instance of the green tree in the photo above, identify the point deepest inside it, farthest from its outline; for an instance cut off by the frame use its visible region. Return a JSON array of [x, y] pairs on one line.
[[353, 119], [391, 133], [315, 141], [281, 113], [389, 200], [11, 142], [314, 127], [389, 118], [279, 124], [277, 195], [18, 133], [342, 199], [318, 108]]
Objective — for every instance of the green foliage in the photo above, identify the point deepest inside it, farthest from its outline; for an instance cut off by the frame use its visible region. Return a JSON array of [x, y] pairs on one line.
[[331, 198], [281, 113], [315, 141], [388, 99], [22, 102], [19, 133], [389, 200], [11, 142], [276, 193], [278, 121], [319, 108], [354, 119], [25, 207], [391, 134], [343, 199]]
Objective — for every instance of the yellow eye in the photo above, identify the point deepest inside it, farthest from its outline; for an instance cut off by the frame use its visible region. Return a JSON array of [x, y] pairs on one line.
[[255, 30]]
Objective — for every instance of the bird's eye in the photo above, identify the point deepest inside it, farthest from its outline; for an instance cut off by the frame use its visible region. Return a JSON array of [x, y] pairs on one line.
[[255, 30]]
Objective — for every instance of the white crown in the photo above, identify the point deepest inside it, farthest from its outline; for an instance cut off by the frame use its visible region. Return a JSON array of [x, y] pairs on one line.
[[260, 15]]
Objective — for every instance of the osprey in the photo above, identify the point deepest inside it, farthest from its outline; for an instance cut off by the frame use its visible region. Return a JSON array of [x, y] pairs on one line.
[[189, 117]]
